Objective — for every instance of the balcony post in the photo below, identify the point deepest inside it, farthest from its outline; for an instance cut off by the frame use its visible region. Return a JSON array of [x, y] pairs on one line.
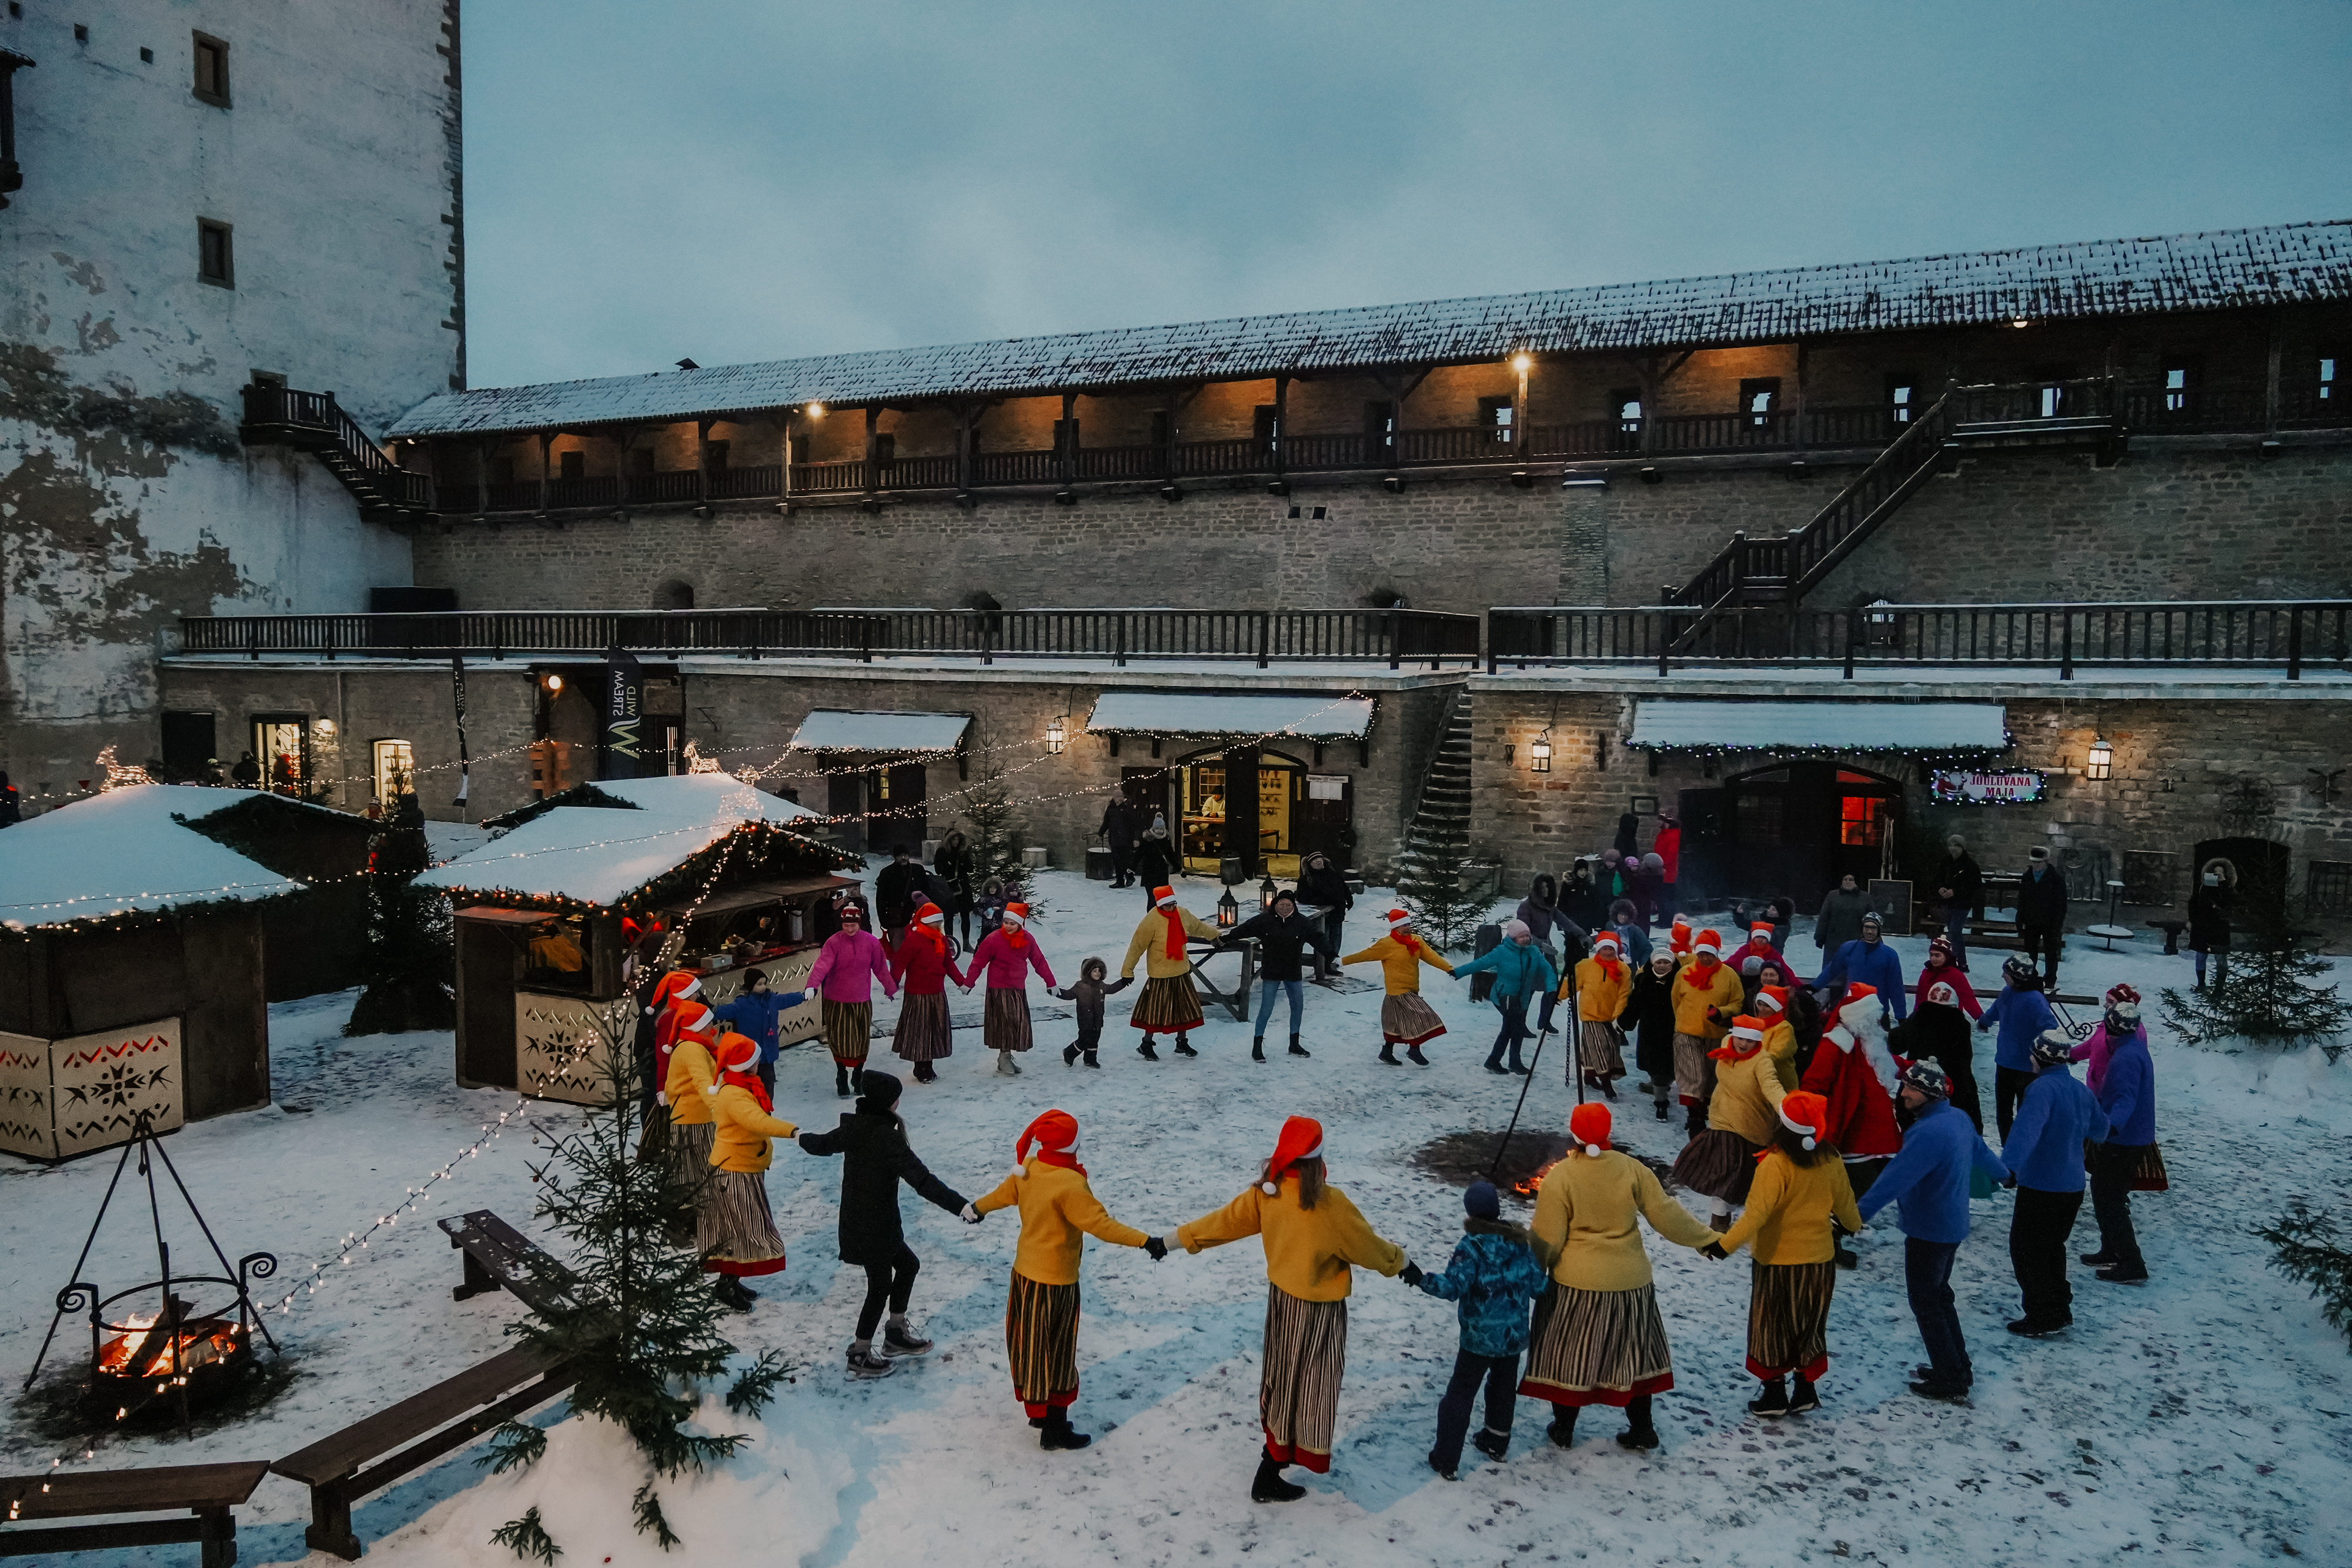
[[786, 421], [1281, 428], [963, 446], [481, 478], [1524, 366], [623, 439], [546, 446], [1066, 456], [1797, 403], [702, 467], [873, 447], [2294, 611], [2270, 385]]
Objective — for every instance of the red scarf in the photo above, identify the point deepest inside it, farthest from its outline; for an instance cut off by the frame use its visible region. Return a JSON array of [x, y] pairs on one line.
[[1610, 967], [939, 940], [1017, 937], [1069, 1161], [1404, 939], [746, 1080], [1175, 931]]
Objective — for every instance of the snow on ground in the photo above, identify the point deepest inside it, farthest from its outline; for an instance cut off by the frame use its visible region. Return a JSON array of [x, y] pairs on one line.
[[2205, 1412]]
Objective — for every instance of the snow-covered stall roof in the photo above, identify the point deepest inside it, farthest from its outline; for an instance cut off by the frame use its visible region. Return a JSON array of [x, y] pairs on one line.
[[2276, 265], [596, 854], [841, 729], [1311, 715], [127, 848], [1820, 725]]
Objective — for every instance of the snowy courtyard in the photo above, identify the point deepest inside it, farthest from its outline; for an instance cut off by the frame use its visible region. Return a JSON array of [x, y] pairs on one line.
[[2205, 1412]]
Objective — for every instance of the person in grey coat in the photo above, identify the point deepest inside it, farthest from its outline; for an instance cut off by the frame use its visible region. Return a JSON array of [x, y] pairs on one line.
[[1840, 920]]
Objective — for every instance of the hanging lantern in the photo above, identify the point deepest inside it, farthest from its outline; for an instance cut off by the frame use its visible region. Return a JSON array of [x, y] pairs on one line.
[[1265, 891], [1540, 753], [1228, 912], [1056, 734], [2101, 762]]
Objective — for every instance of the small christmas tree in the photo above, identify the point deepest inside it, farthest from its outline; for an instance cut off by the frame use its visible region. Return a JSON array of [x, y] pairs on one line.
[[995, 833], [2309, 1254], [410, 963], [1432, 872], [2271, 994]]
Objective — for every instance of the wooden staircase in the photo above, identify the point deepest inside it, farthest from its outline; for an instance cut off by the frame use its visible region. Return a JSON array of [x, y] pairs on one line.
[[1439, 837], [316, 422]]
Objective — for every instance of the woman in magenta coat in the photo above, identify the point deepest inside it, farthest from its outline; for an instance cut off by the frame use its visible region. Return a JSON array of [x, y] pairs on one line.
[[1006, 955], [852, 960]]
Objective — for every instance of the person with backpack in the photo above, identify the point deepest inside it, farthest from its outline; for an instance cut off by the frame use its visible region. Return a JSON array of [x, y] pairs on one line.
[[1494, 1276]]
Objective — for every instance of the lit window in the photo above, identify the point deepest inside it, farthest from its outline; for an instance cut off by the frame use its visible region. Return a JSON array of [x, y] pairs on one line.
[[395, 770], [2331, 372], [1902, 398], [2180, 380], [212, 70]]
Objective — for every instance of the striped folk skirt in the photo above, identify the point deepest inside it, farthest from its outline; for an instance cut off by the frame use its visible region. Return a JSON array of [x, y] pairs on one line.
[[1789, 1319], [686, 1153], [848, 1030], [1719, 1163], [923, 1033], [1168, 1003], [1409, 1019], [1299, 1393], [1599, 1049], [1004, 1022], [1041, 1345], [735, 1229], [1694, 1068], [1597, 1347]]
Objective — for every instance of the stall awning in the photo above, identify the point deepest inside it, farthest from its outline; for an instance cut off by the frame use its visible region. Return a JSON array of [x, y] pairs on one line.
[[1315, 716], [1820, 727], [841, 729]]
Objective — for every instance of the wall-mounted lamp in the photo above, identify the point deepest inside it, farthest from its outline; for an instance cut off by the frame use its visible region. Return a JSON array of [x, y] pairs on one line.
[[1521, 361], [816, 411], [554, 685], [1058, 735], [1540, 753], [2101, 761]]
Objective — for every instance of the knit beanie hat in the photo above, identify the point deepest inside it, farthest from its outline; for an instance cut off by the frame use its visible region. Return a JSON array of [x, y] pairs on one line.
[[1929, 1079], [1805, 1113], [1515, 929], [2123, 1002], [1943, 994], [881, 1091], [1482, 1201], [1870, 918], [1589, 1126], [2053, 1048], [1302, 1139]]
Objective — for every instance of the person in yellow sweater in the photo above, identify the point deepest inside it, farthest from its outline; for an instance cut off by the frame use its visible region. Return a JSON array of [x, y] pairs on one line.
[[1780, 1034], [1167, 1001], [1059, 1211], [1598, 1338], [1708, 996], [1405, 1018], [688, 1089], [1314, 1238], [1800, 1193], [735, 1230], [1600, 985], [1743, 1116]]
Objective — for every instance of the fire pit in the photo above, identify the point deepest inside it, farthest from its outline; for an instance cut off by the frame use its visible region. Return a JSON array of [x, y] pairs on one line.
[[150, 1342]]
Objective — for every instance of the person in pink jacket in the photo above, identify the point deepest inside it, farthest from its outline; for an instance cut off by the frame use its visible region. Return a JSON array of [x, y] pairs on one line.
[[852, 960], [1006, 955]]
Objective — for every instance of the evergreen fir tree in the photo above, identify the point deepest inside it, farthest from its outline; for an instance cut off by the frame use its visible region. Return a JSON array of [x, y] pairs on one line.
[[410, 961], [1431, 874], [2272, 995], [2309, 1253], [995, 833]]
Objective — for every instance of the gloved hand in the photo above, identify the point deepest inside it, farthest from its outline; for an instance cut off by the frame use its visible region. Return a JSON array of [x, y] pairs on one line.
[[971, 1216], [661, 1097], [1411, 1273], [2009, 1182], [1156, 1247], [1714, 1015], [1714, 1249]]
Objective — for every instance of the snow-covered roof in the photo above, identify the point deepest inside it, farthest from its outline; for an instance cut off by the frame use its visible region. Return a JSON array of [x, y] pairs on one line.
[[2281, 263], [126, 848], [840, 730], [1311, 715], [596, 854], [1820, 725]]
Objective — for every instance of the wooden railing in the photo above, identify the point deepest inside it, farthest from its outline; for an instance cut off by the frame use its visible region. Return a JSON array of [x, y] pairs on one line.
[[1394, 637], [2248, 634], [315, 421]]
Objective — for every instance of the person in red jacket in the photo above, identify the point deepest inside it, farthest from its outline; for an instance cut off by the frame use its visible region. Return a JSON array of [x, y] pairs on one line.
[[1940, 968], [1759, 946], [1668, 847], [922, 968], [1856, 1074]]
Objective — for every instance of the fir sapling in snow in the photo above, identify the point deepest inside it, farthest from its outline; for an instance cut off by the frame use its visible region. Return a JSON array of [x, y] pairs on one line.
[[2271, 993]]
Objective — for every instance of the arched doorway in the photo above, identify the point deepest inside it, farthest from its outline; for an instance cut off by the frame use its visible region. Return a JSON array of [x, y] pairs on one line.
[[1247, 803], [1797, 827]]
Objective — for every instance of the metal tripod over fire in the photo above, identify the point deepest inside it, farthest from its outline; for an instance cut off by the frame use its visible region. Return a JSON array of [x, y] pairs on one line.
[[176, 1346]]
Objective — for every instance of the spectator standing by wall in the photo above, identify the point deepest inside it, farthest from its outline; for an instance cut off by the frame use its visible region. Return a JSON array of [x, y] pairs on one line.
[[2042, 911], [1959, 888]]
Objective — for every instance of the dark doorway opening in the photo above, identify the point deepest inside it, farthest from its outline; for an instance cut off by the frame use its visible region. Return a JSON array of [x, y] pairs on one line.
[[844, 802], [1797, 827], [895, 805], [188, 745], [1250, 804]]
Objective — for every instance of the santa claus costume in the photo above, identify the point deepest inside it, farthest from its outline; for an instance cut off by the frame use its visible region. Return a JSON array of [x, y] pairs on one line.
[[1315, 1239], [1799, 1196], [1058, 1212], [1168, 1003], [1006, 955], [1855, 1072], [1405, 1018]]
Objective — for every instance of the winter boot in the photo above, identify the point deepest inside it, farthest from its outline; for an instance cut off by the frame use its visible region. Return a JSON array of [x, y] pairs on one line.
[[864, 1363], [1093, 1061], [731, 1291], [1606, 1084], [857, 1079], [2102, 1259], [1640, 1432], [1661, 1103], [1492, 1444], [897, 1339], [1804, 1397], [1519, 1066], [1257, 1048], [1695, 1122], [1949, 1392], [1145, 1051], [1056, 1432], [926, 1073], [1269, 1485], [1441, 1468], [1774, 1401], [1562, 1430], [1298, 1050], [840, 1082], [1494, 1065], [2125, 1274], [1388, 1053], [1413, 1054], [1184, 1046]]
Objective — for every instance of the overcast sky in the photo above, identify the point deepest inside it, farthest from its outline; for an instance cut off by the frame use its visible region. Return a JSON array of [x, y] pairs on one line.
[[736, 180]]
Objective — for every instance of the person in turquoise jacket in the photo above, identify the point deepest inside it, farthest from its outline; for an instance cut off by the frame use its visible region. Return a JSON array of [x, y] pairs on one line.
[[1495, 1276], [1521, 974]]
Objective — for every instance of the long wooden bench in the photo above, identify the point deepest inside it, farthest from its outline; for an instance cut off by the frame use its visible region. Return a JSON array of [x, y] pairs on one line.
[[210, 1492], [388, 1444], [499, 1257]]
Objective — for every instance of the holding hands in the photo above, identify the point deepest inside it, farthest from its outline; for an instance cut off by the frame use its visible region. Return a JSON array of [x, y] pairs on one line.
[[1156, 1247], [971, 1216], [1714, 1249], [1411, 1273]]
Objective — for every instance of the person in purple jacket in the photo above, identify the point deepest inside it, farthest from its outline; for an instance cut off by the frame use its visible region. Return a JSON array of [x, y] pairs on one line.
[[2055, 1117], [846, 967], [1005, 956], [1929, 1183], [2122, 1077]]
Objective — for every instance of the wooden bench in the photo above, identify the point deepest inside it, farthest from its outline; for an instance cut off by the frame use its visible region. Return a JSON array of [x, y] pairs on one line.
[[1237, 1000], [388, 1444], [499, 1257], [209, 1492]]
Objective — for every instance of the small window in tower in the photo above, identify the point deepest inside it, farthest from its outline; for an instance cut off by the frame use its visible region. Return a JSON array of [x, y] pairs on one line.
[[1902, 398], [212, 70], [2331, 380], [1495, 414], [1760, 399], [215, 259]]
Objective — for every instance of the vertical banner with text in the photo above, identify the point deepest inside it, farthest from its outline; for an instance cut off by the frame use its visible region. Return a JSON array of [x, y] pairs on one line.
[[625, 694], [465, 764]]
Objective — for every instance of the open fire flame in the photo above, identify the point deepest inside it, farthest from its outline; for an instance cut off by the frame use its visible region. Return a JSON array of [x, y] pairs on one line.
[[1526, 1185], [141, 1352]]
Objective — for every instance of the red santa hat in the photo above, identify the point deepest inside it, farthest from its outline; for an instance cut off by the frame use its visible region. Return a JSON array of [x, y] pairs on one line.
[[1302, 1139], [1856, 996], [1398, 919], [1589, 1126], [736, 1052], [677, 983], [1017, 912], [1605, 942], [696, 1022], [1805, 1113], [1745, 1039], [1679, 937], [1772, 999], [1161, 897], [1055, 1132], [1760, 934], [930, 915], [1709, 945]]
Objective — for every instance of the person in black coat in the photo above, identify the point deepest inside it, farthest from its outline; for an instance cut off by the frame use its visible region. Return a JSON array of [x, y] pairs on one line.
[[875, 1157], [901, 887], [1650, 1015], [1284, 937], [2041, 911], [1157, 862], [1582, 899], [1803, 1011], [826, 921], [1628, 843], [955, 866], [1122, 827], [1958, 885], [1325, 886], [2208, 918]]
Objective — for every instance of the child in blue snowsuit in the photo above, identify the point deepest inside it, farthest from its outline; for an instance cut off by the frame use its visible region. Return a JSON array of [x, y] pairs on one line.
[[753, 1013], [1495, 1277]]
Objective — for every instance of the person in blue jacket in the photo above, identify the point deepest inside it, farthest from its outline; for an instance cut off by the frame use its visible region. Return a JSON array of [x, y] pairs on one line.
[[2122, 1076], [1494, 1275], [2043, 1152], [1626, 921], [1867, 961], [1929, 1183], [753, 1013], [1521, 974], [2023, 1015]]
